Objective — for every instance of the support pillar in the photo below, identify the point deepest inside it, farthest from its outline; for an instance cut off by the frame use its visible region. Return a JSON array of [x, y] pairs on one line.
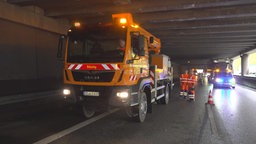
[[244, 65]]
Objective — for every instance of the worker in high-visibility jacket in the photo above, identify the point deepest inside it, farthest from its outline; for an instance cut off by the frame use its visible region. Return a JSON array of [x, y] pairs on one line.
[[184, 84], [191, 86]]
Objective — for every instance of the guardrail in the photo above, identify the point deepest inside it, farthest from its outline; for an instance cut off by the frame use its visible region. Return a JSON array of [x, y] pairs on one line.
[[28, 97], [246, 81]]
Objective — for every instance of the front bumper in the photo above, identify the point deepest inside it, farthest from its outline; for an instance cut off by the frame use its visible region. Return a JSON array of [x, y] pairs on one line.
[[224, 85], [101, 96]]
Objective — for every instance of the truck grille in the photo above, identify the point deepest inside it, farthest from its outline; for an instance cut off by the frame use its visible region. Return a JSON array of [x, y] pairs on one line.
[[93, 76]]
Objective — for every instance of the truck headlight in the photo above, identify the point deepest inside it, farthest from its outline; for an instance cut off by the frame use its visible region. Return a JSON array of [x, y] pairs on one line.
[[66, 92], [123, 94]]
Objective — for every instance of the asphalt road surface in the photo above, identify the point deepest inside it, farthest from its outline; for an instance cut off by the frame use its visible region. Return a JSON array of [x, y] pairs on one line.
[[232, 120]]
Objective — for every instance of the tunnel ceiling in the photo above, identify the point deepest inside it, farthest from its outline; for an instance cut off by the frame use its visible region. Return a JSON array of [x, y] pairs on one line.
[[198, 30]]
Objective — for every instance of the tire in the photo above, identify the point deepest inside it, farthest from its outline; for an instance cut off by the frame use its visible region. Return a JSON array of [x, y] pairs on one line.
[[166, 98], [88, 111], [142, 108]]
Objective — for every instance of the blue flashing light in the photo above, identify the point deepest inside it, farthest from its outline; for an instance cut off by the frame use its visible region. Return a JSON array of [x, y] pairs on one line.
[[219, 80], [232, 80]]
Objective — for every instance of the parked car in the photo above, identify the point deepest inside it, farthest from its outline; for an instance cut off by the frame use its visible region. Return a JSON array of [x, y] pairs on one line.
[[224, 79]]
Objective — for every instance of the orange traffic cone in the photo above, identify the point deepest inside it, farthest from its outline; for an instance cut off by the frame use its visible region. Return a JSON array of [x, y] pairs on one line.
[[210, 98]]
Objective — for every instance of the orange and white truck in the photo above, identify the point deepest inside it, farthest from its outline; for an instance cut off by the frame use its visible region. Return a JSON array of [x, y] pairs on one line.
[[98, 73]]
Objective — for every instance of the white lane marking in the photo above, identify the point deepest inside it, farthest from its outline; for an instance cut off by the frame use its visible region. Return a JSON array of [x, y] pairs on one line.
[[74, 128], [212, 121]]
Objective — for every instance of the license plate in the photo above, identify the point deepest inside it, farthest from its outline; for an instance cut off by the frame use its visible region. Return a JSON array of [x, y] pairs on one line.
[[91, 93]]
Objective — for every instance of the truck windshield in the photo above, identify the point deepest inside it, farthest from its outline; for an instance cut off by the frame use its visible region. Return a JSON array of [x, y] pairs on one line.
[[96, 45]]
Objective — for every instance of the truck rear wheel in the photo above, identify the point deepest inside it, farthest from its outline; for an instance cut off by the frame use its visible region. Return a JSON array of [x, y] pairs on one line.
[[88, 111], [166, 98]]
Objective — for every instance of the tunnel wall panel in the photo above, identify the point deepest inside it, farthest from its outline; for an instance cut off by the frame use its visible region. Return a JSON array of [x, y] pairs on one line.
[[28, 59]]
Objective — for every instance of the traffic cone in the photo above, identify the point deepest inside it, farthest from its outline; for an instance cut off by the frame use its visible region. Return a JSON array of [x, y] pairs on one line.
[[210, 98]]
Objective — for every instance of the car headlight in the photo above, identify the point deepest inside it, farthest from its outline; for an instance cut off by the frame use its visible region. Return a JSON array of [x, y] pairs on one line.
[[219, 80], [232, 80]]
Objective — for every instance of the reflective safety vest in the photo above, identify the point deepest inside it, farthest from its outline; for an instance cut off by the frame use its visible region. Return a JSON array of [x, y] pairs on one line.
[[192, 79], [184, 78]]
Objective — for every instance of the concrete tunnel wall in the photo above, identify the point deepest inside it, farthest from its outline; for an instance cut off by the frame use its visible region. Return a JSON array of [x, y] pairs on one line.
[[28, 48], [28, 59]]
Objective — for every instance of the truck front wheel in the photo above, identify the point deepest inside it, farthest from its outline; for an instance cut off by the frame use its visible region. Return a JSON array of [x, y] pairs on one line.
[[138, 112], [142, 108], [88, 111]]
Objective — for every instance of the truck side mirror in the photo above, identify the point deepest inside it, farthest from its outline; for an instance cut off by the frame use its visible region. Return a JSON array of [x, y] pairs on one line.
[[60, 52], [138, 45]]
